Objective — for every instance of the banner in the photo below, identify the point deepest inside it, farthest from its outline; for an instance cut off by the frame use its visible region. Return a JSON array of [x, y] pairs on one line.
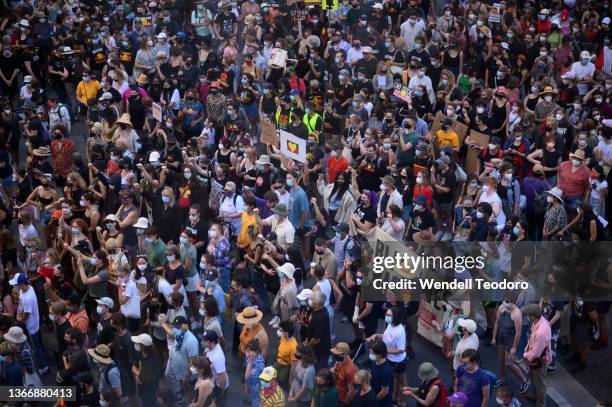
[[157, 112], [269, 135], [495, 14], [292, 146]]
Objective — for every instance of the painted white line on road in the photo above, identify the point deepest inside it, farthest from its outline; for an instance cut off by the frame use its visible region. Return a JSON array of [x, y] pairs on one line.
[[566, 391]]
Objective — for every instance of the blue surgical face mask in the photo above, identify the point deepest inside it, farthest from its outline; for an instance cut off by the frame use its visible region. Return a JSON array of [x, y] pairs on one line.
[[338, 235], [176, 332], [244, 81], [387, 145], [183, 239], [289, 183], [148, 240], [93, 261], [516, 230], [2, 358], [165, 199], [418, 94], [265, 384], [281, 276], [202, 266], [388, 319], [372, 357]]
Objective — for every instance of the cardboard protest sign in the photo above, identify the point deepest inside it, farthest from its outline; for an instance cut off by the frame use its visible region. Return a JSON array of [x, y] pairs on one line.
[[472, 160], [269, 134], [459, 128], [157, 112], [292, 146], [495, 14], [402, 92]]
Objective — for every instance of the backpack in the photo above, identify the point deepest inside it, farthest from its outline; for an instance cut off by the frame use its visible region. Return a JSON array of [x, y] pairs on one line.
[[540, 203], [125, 378]]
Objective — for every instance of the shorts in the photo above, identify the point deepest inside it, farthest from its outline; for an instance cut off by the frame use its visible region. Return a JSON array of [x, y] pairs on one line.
[[398, 368], [192, 284]]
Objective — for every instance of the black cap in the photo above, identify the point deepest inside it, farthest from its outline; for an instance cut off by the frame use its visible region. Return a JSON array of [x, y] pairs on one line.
[[179, 321], [83, 377], [210, 336]]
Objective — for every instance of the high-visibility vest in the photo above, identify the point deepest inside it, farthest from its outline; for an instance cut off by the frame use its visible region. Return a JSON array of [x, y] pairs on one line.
[[311, 122], [278, 113]]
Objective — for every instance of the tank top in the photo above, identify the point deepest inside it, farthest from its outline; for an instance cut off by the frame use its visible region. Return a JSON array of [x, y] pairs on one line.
[[247, 335], [326, 289], [505, 334], [550, 159], [224, 159], [451, 62], [196, 394], [130, 237]]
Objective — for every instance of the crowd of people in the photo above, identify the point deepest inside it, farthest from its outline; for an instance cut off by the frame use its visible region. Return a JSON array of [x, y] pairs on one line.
[[143, 219]]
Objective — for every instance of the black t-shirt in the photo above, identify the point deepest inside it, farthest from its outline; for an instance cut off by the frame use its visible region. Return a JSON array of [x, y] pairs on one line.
[[447, 180], [127, 57], [300, 130], [318, 327], [124, 351], [200, 230], [8, 65], [226, 23], [366, 214], [176, 274], [58, 65], [421, 220]]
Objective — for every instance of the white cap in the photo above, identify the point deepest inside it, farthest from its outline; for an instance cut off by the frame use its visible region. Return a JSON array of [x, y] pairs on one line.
[[468, 324], [505, 45], [143, 339], [585, 54], [106, 96], [606, 20], [161, 35], [154, 156], [152, 4], [24, 23], [544, 11], [366, 50], [305, 294], [378, 6], [110, 218], [27, 79], [142, 223]]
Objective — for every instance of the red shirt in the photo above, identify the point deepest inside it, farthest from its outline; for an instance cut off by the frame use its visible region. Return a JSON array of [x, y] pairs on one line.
[[421, 190], [335, 166], [573, 183], [297, 83]]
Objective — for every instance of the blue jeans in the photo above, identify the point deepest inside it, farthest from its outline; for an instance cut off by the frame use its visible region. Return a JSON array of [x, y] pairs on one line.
[[39, 350], [260, 287], [571, 202]]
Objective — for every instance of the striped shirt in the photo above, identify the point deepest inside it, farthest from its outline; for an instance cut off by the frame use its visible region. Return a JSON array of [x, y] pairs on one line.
[[277, 399]]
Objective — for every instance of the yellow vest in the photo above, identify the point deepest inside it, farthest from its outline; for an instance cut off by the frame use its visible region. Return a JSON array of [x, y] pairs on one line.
[[311, 122]]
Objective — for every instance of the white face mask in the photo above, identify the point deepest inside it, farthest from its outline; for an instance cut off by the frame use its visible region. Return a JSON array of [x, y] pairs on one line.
[[419, 180], [549, 199], [548, 98], [576, 163], [485, 188], [142, 267], [193, 370], [279, 333], [479, 215]]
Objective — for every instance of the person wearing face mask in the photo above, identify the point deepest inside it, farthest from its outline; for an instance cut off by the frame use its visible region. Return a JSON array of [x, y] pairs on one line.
[[103, 327], [209, 310], [538, 352], [87, 393], [271, 393], [573, 179], [583, 71], [211, 287], [213, 380], [74, 358], [546, 105], [504, 397], [183, 345], [555, 217], [471, 380], [129, 299], [146, 369], [87, 89], [285, 359], [110, 375]]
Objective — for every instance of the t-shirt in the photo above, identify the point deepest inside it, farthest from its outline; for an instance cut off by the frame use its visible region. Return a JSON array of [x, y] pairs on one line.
[[366, 214], [382, 376], [175, 274], [304, 378], [217, 363], [406, 157], [189, 252], [447, 138], [471, 384], [445, 179], [345, 373], [226, 23], [318, 327], [28, 303], [131, 308], [286, 351], [395, 337]]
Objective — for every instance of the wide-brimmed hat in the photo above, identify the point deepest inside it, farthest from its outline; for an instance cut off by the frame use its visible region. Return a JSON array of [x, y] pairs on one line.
[[287, 269], [305, 294], [268, 374], [280, 209], [15, 335], [548, 90], [124, 119], [263, 159], [579, 154], [250, 315], [556, 192], [27, 79], [42, 152], [67, 50], [24, 23], [468, 324], [142, 223], [101, 353], [428, 372]]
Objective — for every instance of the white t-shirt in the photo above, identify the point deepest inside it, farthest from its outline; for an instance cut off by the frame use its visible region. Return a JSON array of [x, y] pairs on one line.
[[284, 231], [492, 199], [395, 337], [131, 308], [217, 363], [582, 72], [28, 303]]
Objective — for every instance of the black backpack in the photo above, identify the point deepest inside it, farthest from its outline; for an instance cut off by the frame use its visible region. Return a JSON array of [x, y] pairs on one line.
[[540, 203]]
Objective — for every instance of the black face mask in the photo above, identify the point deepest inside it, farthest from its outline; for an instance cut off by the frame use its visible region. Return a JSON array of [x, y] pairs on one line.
[[123, 126]]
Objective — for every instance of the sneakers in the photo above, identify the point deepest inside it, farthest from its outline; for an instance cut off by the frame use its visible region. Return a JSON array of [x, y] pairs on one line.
[[274, 321], [344, 320], [524, 387]]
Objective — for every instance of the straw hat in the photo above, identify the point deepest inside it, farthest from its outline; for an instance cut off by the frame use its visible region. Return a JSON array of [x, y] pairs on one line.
[[101, 353], [548, 90], [250, 315], [124, 119], [579, 154]]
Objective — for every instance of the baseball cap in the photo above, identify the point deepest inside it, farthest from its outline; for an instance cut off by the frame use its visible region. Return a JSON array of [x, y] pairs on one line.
[[106, 96], [211, 274], [143, 339], [268, 374], [443, 160], [606, 20], [179, 321], [19, 279], [340, 348], [210, 336], [106, 301], [305, 294]]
